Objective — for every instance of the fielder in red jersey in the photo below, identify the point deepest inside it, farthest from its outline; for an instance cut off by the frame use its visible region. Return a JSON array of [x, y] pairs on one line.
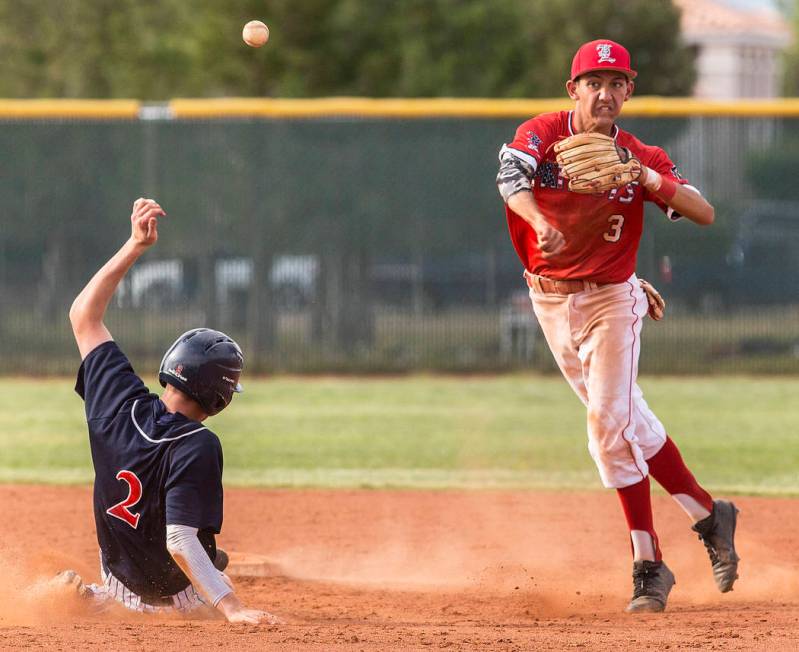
[[604, 229], [579, 255]]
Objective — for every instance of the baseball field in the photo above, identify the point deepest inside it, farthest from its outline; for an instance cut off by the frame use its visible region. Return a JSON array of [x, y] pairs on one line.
[[423, 512]]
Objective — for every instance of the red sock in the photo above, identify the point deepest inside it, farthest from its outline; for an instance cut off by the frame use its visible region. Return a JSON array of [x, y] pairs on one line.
[[637, 505], [668, 468]]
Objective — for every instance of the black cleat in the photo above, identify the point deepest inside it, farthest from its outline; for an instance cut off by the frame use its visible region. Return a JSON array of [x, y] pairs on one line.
[[717, 532], [652, 581]]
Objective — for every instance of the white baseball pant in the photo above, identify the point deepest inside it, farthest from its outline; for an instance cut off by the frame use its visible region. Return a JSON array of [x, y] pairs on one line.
[[595, 337], [112, 589]]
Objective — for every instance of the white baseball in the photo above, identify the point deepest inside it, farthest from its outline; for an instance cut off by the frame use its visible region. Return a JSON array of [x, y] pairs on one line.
[[255, 34]]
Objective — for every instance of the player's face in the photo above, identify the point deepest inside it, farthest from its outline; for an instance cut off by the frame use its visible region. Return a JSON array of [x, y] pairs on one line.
[[599, 97]]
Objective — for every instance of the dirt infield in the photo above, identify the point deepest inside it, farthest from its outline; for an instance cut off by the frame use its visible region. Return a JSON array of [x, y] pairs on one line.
[[414, 570]]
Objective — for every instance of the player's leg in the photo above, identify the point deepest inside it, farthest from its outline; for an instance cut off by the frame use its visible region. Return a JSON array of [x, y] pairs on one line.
[[666, 464], [636, 503], [619, 439], [714, 520], [609, 337], [669, 469], [552, 313], [67, 585], [652, 579]]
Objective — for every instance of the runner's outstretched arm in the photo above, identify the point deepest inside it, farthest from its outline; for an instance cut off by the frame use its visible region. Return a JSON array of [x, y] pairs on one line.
[[216, 588]]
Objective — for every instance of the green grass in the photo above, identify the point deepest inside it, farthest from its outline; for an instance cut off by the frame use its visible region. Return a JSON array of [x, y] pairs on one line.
[[738, 434]]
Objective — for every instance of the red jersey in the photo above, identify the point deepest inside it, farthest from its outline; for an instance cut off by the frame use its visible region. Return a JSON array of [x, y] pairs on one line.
[[601, 231]]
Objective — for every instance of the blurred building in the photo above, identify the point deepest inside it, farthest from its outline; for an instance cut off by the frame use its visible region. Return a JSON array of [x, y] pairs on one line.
[[738, 47]]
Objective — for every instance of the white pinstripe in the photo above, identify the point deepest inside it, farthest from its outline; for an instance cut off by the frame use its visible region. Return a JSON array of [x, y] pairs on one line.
[[112, 589]]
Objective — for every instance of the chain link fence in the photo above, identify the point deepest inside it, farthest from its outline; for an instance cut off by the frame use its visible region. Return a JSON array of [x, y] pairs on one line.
[[369, 244]]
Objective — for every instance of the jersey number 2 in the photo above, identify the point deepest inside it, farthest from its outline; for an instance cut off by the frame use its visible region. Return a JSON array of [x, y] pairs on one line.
[[616, 222], [120, 510]]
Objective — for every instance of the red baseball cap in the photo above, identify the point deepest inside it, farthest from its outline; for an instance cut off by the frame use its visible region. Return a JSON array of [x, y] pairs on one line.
[[602, 54]]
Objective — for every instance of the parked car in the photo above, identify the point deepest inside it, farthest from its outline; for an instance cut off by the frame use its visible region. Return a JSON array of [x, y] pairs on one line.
[[759, 267], [292, 278]]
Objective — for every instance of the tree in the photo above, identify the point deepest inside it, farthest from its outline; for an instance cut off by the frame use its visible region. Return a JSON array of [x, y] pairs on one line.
[[94, 48], [431, 48], [790, 82], [650, 29], [159, 49]]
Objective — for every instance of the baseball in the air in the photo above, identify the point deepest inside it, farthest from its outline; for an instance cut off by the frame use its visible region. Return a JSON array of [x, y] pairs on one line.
[[255, 34]]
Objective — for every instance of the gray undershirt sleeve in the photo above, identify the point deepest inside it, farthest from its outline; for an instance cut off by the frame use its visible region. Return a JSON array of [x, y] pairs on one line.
[[516, 172], [182, 541]]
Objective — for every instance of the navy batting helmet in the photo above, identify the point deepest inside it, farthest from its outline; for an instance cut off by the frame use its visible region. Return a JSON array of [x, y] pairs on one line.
[[206, 365]]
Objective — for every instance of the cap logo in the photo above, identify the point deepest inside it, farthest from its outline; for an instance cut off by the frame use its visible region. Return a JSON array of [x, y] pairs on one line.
[[604, 52]]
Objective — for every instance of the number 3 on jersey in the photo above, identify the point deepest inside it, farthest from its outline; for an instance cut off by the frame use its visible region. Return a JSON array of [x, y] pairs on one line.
[[120, 510], [616, 223]]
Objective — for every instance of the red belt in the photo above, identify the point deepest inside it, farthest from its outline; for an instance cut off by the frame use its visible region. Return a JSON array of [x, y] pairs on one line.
[[544, 285]]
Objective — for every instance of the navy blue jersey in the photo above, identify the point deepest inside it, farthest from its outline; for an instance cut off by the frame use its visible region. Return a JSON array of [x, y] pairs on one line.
[[152, 469]]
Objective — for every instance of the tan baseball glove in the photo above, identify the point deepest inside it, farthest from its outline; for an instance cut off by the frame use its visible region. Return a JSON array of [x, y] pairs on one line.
[[594, 163], [657, 304]]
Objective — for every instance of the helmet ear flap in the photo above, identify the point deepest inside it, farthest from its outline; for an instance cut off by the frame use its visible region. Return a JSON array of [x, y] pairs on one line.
[[220, 404]]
